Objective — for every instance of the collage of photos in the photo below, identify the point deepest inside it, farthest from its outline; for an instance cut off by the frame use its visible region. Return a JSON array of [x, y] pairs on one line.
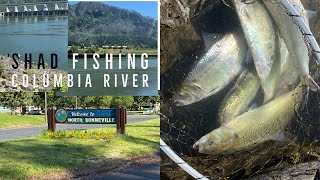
[[159, 89]]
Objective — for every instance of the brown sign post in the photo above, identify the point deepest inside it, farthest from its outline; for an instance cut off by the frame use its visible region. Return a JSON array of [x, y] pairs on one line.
[[121, 119], [52, 120]]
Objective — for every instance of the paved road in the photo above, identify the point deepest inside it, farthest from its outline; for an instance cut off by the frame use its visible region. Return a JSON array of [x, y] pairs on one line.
[[146, 172], [149, 171], [16, 133]]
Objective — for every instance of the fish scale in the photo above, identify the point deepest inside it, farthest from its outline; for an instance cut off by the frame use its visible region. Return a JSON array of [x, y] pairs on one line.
[[253, 127], [261, 38], [239, 97], [215, 70], [293, 38]]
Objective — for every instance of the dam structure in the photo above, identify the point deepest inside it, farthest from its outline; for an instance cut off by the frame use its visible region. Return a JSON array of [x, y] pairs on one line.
[[34, 9]]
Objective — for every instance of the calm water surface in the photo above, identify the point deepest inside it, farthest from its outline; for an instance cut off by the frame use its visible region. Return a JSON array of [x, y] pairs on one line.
[[35, 35]]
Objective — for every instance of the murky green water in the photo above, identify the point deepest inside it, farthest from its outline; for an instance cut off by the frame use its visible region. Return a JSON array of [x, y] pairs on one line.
[[35, 35]]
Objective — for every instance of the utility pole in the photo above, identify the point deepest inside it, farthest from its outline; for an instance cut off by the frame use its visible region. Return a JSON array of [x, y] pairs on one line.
[[76, 102], [45, 106]]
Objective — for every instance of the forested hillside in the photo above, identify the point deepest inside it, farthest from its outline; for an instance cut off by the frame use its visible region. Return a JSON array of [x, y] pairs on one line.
[[95, 23]]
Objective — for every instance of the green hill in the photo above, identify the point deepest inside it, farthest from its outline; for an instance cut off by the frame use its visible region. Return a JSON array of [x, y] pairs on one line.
[[95, 23]]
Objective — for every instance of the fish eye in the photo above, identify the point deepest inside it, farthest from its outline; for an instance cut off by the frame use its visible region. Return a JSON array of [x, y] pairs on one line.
[[211, 143]]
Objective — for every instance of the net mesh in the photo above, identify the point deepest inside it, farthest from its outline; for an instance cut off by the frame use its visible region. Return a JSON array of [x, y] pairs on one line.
[[182, 126]]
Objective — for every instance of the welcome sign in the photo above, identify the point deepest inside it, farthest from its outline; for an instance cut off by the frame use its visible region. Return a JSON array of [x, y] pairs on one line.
[[86, 116]]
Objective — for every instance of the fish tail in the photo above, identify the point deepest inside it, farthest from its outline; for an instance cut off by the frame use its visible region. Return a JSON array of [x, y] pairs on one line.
[[309, 82]]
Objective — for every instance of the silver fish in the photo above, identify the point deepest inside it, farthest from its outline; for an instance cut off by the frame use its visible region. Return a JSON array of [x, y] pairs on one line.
[[253, 127], [243, 94], [293, 38], [262, 40], [220, 65], [239, 98], [289, 75]]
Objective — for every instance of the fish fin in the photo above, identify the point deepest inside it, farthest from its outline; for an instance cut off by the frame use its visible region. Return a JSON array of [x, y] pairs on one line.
[[280, 136], [309, 82], [311, 14], [210, 39]]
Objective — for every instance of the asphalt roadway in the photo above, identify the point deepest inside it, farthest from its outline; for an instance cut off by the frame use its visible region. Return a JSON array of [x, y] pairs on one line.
[[146, 172], [17, 133]]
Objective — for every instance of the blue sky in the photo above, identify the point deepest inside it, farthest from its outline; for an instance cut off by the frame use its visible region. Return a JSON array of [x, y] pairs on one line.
[[146, 8]]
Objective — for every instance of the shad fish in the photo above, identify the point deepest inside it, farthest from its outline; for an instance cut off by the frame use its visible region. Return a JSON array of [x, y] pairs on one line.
[[253, 127], [243, 95], [261, 37], [293, 38], [222, 63], [289, 75], [239, 98]]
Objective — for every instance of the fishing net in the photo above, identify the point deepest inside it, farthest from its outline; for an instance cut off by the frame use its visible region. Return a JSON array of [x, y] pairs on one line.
[[182, 126]]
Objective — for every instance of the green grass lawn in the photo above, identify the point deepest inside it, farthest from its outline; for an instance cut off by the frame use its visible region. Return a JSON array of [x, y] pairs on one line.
[[40, 156], [11, 121]]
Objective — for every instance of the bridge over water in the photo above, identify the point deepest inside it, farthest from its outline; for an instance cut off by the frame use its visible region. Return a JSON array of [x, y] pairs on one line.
[[35, 9]]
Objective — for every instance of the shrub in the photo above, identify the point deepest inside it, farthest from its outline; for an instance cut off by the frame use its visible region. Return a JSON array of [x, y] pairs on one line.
[[97, 135], [73, 49]]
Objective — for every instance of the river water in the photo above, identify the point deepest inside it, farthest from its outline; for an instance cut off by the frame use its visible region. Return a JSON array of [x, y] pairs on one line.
[[35, 35]]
